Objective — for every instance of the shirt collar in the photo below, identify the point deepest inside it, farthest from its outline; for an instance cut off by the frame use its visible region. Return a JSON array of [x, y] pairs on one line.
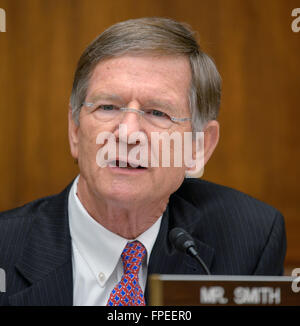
[[101, 248]]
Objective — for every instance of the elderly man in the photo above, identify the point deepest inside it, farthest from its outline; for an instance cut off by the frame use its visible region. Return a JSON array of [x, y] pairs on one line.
[[97, 241]]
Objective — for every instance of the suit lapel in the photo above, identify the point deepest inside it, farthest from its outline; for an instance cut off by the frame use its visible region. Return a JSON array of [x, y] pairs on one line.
[[46, 262], [164, 259], [56, 289]]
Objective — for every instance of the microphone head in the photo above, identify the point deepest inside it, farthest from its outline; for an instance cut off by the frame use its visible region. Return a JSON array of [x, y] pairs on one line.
[[181, 239]]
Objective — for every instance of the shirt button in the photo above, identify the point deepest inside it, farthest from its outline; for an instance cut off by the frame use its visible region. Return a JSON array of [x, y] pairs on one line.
[[101, 277]]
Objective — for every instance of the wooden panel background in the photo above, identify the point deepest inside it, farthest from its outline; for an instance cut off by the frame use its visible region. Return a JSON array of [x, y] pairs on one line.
[[254, 48]]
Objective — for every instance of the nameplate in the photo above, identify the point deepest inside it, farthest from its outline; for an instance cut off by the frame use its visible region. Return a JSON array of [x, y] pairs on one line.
[[194, 290]]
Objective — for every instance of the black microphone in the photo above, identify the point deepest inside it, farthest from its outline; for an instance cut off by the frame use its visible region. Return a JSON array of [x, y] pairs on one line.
[[184, 242]]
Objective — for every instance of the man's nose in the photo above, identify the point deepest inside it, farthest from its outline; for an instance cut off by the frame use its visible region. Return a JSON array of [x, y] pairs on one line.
[[132, 120]]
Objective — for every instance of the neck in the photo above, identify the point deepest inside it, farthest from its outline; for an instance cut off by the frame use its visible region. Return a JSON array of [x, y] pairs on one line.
[[125, 218]]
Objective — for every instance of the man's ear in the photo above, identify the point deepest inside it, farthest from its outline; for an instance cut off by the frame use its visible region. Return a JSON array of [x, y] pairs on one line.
[[203, 149], [73, 135]]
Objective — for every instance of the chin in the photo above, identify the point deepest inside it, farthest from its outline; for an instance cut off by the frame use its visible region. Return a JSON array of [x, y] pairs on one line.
[[113, 190], [127, 197]]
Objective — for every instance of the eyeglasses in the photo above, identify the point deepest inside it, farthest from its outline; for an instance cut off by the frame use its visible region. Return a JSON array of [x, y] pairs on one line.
[[157, 118]]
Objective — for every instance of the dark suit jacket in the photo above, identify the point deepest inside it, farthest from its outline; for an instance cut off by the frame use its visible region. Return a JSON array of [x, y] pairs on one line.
[[235, 235]]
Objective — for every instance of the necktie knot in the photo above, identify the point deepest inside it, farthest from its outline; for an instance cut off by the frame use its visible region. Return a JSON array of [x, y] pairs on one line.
[[132, 257]]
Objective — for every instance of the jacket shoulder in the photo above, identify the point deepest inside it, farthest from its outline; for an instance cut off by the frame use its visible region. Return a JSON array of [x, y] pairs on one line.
[[204, 193], [36, 207], [16, 223]]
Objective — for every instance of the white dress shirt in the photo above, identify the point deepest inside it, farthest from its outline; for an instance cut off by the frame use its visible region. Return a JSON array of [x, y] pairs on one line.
[[96, 255]]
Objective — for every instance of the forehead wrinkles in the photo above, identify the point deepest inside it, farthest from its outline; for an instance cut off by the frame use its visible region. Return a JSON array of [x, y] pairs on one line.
[[144, 77]]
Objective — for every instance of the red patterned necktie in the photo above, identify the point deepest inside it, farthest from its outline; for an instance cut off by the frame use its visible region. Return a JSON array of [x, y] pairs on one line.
[[128, 291]]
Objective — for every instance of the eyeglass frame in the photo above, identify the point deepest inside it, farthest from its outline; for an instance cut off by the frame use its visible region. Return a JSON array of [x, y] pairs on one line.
[[140, 112]]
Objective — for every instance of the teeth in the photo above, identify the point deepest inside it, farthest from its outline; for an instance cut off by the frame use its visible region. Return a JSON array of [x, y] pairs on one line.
[[123, 164]]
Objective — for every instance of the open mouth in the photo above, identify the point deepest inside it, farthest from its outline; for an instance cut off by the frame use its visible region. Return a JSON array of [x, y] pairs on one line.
[[126, 165]]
